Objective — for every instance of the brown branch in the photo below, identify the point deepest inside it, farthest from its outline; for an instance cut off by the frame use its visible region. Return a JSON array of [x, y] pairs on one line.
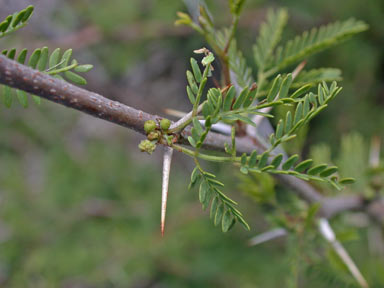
[[22, 77]]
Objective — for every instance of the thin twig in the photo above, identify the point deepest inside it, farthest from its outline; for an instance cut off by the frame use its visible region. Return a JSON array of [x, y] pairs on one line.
[[185, 120], [219, 127]]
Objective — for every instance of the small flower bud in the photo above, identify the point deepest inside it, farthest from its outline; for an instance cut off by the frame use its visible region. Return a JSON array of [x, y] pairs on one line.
[[149, 126], [154, 135], [147, 146], [165, 124]]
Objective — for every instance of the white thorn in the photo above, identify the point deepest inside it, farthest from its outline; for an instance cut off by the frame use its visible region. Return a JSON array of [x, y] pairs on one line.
[[168, 152], [267, 236], [327, 232]]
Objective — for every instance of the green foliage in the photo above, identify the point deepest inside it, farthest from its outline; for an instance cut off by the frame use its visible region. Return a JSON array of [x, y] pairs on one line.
[[270, 35], [231, 106], [307, 107], [198, 133], [239, 66], [315, 76], [270, 60], [223, 208], [15, 21], [353, 160], [235, 108], [260, 187], [198, 80], [55, 64], [239, 108], [314, 41]]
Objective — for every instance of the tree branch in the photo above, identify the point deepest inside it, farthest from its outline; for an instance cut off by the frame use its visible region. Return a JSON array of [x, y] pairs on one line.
[[24, 78]]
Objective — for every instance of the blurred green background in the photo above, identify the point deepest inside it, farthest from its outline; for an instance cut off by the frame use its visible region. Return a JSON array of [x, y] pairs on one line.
[[80, 206]]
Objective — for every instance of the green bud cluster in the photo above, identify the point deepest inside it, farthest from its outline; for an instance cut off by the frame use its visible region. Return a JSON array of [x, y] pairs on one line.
[[149, 126], [165, 124], [147, 146], [154, 135]]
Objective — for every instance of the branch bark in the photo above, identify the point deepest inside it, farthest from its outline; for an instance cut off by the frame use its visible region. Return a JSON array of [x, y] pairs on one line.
[[24, 78]]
